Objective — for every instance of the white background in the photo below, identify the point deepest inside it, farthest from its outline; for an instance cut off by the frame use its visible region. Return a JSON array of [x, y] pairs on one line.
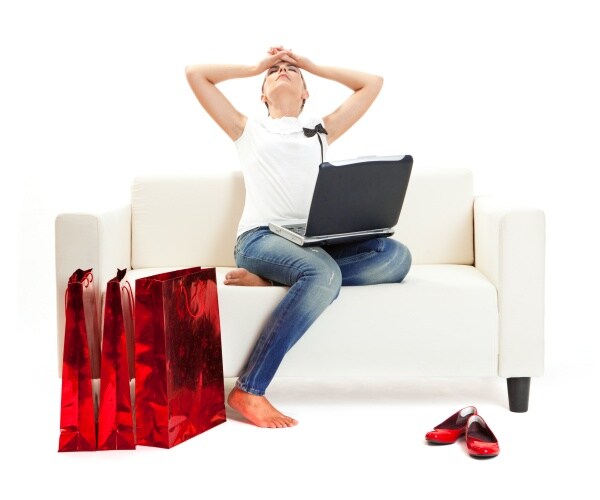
[[93, 94]]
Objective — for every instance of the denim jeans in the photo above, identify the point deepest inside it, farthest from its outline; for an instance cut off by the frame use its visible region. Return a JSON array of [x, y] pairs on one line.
[[314, 275]]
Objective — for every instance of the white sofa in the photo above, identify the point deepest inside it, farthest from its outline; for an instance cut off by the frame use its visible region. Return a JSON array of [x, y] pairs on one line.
[[472, 304]]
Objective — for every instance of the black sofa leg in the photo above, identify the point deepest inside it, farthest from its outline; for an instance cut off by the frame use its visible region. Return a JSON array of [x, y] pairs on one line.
[[518, 393]]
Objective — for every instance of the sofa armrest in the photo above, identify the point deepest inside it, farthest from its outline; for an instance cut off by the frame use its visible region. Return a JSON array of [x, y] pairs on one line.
[[510, 252], [83, 241]]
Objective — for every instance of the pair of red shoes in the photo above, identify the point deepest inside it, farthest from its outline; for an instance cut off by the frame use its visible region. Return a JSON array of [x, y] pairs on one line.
[[481, 441]]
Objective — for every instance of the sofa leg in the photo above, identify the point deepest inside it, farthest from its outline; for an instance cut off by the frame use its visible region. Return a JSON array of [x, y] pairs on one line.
[[518, 393]]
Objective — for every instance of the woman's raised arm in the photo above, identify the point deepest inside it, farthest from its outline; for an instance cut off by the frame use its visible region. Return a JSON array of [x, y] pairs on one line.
[[366, 88], [203, 79]]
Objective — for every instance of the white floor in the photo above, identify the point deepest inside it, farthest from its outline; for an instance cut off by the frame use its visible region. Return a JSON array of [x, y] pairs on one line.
[[361, 439]]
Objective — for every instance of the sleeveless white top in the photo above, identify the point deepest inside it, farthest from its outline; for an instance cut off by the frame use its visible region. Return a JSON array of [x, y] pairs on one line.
[[280, 166]]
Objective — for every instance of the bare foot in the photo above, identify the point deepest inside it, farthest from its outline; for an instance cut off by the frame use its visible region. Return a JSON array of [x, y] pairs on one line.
[[258, 410], [242, 277]]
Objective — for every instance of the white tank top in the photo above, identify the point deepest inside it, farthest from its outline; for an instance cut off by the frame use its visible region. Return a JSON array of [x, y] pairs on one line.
[[280, 166]]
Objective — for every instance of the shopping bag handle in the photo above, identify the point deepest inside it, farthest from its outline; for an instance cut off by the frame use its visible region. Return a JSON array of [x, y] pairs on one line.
[[86, 281], [187, 304], [129, 291]]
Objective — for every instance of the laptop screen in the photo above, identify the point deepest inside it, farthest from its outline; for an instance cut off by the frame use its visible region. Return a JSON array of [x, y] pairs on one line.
[[358, 195]]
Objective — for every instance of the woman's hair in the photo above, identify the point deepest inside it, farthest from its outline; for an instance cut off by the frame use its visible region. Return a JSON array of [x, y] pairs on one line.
[[263, 90]]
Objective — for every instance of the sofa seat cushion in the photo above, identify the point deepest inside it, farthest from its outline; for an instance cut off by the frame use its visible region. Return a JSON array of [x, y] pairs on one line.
[[441, 321]]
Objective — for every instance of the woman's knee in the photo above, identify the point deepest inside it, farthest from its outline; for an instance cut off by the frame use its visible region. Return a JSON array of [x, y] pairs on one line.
[[334, 282], [400, 259], [404, 260], [324, 275]]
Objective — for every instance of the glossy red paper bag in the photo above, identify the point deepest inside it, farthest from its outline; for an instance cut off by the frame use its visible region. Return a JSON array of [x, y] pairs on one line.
[[115, 416], [80, 364], [179, 388]]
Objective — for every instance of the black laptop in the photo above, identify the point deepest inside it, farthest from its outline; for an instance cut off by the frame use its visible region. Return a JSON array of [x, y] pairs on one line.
[[353, 200]]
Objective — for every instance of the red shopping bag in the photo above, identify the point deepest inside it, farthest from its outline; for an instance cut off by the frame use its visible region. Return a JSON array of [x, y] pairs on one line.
[[80, 364], [115, 416], [179, 390]]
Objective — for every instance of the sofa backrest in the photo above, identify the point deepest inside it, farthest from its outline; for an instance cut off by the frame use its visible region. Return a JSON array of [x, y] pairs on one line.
[[186, 221], [436, 222]]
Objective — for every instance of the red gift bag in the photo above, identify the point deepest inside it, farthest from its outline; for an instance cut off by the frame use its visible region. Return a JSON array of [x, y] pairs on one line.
[[80, 364], [115, 416], [179, 390]]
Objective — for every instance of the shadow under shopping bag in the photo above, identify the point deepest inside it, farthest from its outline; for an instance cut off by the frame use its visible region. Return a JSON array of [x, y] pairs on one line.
[[80, 365], [115, 417], [178, 359]]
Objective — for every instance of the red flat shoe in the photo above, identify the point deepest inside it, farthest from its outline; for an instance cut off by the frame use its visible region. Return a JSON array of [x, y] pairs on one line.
[[452, 428], [481, 441]]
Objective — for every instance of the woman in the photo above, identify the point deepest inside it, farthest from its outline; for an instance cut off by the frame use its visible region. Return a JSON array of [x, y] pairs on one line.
[[279, 155]]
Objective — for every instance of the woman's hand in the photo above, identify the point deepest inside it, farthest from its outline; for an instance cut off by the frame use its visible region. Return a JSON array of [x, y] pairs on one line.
[[279, 53], [290, 57], [274, 55], [274, 50]]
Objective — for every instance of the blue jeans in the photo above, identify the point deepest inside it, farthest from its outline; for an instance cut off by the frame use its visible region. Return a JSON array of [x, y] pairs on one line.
[[314, 275]]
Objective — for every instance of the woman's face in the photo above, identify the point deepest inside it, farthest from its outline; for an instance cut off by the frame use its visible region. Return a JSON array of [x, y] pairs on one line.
[[285, 79]]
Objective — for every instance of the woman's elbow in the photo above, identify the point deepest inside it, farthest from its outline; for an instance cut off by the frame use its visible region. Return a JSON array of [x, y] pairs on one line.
[[378, 82], [189, 71]]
